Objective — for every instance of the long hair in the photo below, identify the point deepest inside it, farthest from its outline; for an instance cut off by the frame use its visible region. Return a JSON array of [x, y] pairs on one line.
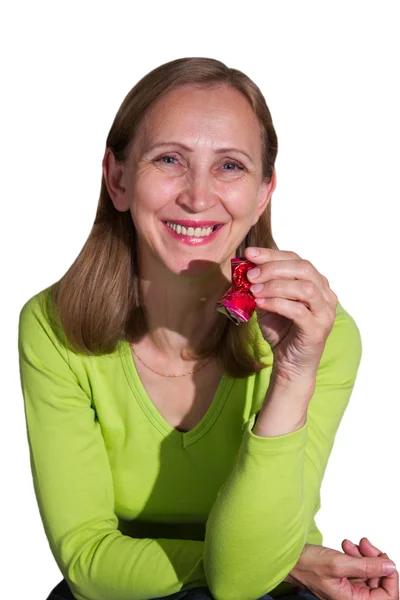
[[97, 301]]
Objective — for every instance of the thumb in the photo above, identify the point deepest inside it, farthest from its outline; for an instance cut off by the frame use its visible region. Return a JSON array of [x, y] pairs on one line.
[[365, 567]]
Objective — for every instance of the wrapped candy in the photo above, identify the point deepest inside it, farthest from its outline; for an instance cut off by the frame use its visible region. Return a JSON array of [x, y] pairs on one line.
[[238, 303]]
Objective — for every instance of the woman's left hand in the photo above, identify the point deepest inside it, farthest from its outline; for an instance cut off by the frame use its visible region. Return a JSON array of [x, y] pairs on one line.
[[296, 311], [365, 548], [332, 575]]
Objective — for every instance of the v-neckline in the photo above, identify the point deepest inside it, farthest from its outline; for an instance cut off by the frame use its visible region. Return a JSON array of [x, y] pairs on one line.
[[182, 438]]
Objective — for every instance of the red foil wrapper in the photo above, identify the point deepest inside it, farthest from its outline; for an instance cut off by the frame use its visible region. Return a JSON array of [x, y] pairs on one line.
[[237, 303]]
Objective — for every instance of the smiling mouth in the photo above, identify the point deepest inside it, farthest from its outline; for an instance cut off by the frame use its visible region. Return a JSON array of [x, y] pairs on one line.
[[192, 231]]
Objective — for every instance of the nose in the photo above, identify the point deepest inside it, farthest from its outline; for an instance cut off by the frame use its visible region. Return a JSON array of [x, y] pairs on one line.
[[198, 194]]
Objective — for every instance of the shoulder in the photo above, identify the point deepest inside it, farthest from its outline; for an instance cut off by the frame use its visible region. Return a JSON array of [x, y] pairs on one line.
[[37, 323], [33, 309]]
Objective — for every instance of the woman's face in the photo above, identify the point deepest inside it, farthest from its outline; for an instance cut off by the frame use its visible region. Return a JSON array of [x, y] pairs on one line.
[[193, 179]]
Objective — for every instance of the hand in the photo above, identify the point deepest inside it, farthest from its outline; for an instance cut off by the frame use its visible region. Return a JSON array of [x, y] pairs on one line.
[[365, 548], [332, 575], [296, 311]]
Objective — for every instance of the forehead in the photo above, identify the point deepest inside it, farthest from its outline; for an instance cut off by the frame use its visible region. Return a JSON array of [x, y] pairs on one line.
[[215, 116]]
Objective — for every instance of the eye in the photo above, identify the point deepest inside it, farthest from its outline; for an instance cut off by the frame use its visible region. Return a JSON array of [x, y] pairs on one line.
[[168, 159], [232, 163], [165, 156]]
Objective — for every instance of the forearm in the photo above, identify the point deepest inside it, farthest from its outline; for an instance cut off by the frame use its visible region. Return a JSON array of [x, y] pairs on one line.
[[285, 408], [268, 479], [256, 528], [116, 567]]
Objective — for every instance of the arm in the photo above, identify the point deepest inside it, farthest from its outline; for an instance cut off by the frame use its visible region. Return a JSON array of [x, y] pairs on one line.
[[264, 512], [284, 409], [74, 487]]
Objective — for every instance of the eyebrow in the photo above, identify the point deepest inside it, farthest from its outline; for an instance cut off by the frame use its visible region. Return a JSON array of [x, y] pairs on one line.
[[217, 151]]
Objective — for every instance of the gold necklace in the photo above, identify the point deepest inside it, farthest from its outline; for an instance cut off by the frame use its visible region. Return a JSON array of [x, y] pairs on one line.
[[163, 374]]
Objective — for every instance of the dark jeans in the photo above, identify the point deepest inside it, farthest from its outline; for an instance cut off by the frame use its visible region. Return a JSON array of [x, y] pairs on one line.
[[62, 592]]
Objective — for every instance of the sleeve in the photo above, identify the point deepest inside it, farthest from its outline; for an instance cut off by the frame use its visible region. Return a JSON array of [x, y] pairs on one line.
[[74, 488], [264, 512], [314, 535]]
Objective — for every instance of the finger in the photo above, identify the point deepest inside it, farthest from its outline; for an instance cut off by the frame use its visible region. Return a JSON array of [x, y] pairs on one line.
[[367, 549], [301, 291], [366, 567], [296, 312], [389, 588], [291, 269], [388, 583], [353, 550], [260, 255], [350, 548]]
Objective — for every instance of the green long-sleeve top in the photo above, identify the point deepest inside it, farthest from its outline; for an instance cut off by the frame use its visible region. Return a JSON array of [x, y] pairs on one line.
[[134, 509]]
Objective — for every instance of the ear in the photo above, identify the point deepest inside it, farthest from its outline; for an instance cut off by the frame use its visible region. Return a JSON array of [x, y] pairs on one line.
[[264, 196], [114, 177]]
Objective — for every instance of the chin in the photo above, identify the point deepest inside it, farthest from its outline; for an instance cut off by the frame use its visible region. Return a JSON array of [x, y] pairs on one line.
[[202, 266], [195, 267]]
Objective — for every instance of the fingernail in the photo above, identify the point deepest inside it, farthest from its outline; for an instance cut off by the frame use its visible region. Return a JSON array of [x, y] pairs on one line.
[[388, 567], [256, 288], [351, 543], [253, 251], [253, 273]]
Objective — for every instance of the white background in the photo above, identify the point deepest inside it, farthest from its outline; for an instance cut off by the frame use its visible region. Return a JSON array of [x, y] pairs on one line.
[[329, 72]]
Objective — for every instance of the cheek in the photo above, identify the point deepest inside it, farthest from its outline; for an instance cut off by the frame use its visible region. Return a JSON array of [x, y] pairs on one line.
[[240, 201], [149, 196]]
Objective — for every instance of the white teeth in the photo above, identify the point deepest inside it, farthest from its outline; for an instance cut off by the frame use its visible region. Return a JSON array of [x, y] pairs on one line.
[[190, 231]]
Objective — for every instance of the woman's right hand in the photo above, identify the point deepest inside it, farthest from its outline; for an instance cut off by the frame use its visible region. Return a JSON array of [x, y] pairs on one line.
[[333, 575]]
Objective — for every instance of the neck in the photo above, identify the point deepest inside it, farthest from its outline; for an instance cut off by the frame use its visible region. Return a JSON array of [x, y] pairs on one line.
[[180, 309]]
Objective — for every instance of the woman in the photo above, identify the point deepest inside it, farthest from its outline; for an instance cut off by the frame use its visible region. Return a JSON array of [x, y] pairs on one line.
[[174, 453]]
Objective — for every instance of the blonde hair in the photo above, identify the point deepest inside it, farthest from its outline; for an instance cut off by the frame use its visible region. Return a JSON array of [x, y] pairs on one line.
[[97, 301]]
